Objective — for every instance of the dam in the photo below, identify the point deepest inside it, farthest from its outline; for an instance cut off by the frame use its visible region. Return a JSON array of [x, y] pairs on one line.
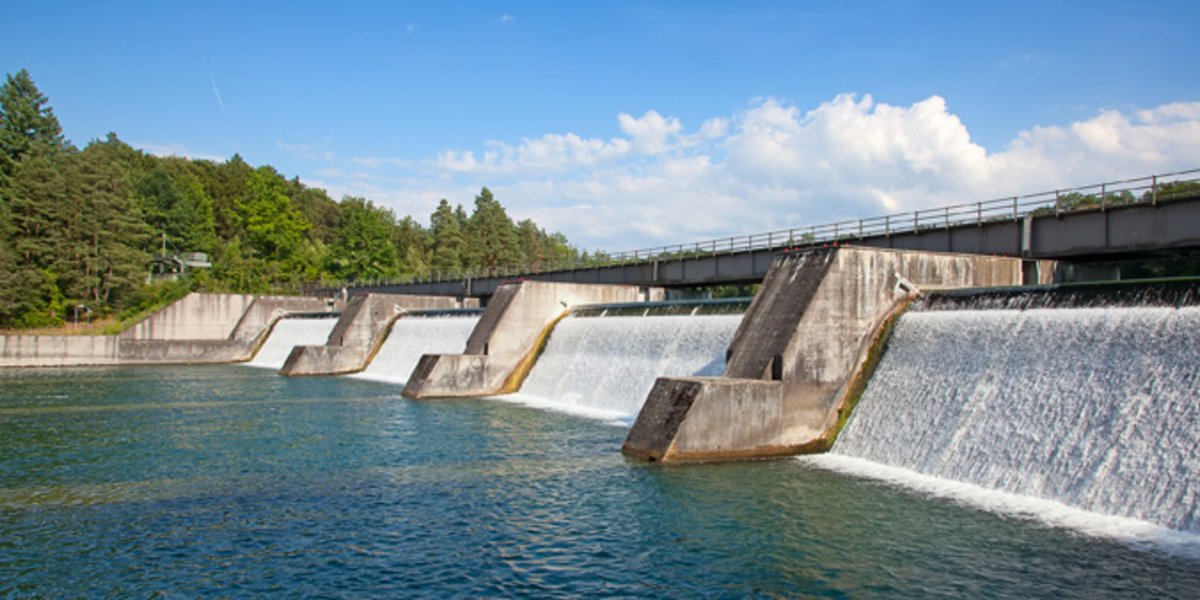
[[1056, 400], [606, 365]]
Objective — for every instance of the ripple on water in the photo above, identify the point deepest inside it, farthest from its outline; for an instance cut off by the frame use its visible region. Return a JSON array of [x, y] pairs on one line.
[[337, 487]]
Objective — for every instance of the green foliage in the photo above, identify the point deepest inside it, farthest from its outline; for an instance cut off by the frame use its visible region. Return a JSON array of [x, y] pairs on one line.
[[178, 207], [1174, 189], [447, 239], [364, 248], [25, 120], [146, 300], [45, 307], [80, 227], [491, 236], [274, 227], [108, 252]]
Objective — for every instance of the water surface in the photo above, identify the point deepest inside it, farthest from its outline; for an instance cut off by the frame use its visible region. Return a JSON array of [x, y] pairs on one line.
[[231, 481]]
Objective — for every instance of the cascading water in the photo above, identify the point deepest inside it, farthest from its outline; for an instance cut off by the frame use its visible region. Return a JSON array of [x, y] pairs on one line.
[[1095, 408], [606, 365], [414, 336], [289, 333]]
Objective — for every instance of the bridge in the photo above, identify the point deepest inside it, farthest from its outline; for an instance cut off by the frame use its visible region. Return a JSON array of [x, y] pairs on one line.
[[1135, 218]]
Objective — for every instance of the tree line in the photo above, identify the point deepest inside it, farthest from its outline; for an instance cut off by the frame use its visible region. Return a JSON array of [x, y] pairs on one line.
[[80, 227]]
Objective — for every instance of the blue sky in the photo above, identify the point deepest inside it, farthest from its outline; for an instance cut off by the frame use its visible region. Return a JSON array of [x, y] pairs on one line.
[[630, 124]]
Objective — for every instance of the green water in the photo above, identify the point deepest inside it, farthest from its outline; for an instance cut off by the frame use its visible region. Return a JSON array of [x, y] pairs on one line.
[[231, 482]]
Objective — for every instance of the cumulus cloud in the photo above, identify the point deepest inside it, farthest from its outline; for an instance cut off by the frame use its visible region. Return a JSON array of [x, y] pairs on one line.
[[775, 165]]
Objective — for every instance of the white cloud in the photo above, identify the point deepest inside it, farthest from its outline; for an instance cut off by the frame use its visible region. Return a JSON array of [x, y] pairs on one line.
[[776, 165], [375, 161], [506, 18], [173, 149], [650, 134], [305, 151]]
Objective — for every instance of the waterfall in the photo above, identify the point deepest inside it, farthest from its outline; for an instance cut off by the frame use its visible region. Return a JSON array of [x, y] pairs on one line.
[[289, 333], [605, 366], [1092, 408], [414, 336]]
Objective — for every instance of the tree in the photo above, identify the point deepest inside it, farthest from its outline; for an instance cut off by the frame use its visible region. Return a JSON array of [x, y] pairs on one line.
[[363, 247], [11, 294], [533, 243], [447, 239], [412, 242], [274, 228], [178, 207], [318, 208], [492, 238], [25, 119], [37, 205], [112, 237]]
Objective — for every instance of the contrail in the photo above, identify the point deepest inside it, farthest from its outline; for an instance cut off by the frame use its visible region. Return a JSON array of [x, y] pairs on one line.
[[216, 92]]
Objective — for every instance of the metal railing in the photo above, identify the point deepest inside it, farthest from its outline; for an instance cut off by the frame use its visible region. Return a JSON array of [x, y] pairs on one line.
[[1100, 196]]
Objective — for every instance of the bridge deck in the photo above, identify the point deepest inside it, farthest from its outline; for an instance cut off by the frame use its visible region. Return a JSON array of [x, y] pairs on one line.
[[1081, 235]]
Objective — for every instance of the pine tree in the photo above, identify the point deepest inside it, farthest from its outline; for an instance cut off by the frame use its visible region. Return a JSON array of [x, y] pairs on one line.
[[25, 119], [37, 213], [447, 237], [493, 238], [11, 293], [112, 236]]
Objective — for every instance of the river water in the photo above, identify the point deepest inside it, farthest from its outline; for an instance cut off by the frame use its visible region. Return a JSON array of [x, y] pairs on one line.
[[230, 481]]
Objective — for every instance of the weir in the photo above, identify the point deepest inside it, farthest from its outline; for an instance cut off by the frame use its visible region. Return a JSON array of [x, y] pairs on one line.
[[505, 342], [413, 336], [288, 333], [607, 364], [1095, 408], [360, 330], [797, 352]]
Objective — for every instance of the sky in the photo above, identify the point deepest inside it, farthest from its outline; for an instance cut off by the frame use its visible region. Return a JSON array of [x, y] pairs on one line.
[[635, 124]]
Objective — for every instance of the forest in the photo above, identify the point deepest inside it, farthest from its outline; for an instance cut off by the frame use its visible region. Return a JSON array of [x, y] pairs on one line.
[[80, 228]]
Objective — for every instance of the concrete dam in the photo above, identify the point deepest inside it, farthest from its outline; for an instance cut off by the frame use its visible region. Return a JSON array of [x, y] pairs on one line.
[[934, 365]]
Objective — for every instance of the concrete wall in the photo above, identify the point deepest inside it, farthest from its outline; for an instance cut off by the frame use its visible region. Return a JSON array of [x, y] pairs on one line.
[[183, 351], [57, 350], [503, 345], [359, 332], [199, 328], [804, 336], [265, 310], [194, 317]]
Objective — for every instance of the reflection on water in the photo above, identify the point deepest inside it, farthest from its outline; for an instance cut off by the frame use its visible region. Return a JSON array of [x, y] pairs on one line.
[[234, 482]]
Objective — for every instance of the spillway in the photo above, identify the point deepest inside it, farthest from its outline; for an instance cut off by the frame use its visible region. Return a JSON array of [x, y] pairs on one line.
[[1096, 409], [414, 336], [289, 333], [606, 365]]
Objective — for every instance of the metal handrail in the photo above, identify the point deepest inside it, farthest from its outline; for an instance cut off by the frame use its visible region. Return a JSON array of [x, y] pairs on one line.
[[1139, 190]]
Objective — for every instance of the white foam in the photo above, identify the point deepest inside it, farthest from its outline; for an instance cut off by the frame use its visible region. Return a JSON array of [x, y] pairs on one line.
[[607, 365], [609, 417], [287, 334], [1092, 408], [1132, 532], [412, 337]]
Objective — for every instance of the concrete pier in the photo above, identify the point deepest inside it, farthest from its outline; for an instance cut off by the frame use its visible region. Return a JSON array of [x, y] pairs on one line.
[[360, 331], [505, 343], [795, 353]]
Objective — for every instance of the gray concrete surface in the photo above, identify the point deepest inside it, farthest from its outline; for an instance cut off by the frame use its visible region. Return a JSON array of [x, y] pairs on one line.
[[362, 328], [805, 335], [503, 345]]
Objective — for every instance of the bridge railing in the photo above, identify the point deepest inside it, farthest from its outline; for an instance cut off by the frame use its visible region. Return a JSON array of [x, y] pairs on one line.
[[1100, 196]]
